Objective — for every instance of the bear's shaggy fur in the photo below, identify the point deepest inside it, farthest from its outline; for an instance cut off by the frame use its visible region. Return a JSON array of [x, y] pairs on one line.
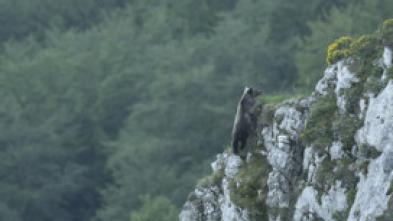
[[245, 119]]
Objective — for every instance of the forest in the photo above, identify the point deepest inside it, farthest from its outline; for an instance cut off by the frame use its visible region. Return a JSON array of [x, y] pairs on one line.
[[112, 110]]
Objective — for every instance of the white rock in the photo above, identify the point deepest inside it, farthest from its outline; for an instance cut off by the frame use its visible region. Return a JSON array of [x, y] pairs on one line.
[[233, 163], [213, 203], [287, 159], [334, 200], [336, 151], [363, 106], [371, 199], [345, 79], [189, 212], [378, 124], [387, 57], [386, 62], [307, 156], [229, 210], [328, 79]]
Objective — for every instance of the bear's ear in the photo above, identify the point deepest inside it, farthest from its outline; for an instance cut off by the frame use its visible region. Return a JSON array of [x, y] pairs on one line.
[[250, 91]]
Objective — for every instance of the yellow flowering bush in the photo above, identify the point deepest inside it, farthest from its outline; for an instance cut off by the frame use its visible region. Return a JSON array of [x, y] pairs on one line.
[[339, 49]]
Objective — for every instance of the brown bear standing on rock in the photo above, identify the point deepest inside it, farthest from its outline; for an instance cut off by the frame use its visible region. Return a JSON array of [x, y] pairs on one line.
[[245, 119]]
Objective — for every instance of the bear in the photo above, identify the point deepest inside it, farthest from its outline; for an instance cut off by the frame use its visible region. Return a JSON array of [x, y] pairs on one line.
[[245, 119]]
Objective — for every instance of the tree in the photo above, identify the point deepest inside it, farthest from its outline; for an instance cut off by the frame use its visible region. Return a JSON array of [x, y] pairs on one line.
[[157, 209], [354, 20], [24, 18]]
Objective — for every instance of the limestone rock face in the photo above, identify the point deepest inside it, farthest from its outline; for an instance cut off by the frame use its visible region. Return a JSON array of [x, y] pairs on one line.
[[213, 202], [343, 172], [285, 153]]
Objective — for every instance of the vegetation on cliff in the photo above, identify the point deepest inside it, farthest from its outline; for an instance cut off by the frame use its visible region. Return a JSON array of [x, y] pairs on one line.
[[107, 101]]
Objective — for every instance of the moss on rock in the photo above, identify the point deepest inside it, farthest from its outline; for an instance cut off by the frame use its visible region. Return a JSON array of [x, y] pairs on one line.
[[249, 187], [319, 125], [214, 179]]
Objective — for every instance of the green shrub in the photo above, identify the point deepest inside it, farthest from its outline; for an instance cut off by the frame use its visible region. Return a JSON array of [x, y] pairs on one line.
[[344, 128], [249, 186], [330, 171], [345, 174], [366, 47], [352, 97], [212, 180], [275, 99], [267, 115], [351, 194], [319, 125], [324, 174], [368, 151], [389, 73], [386, 32], [157, 209], [374, 85], [340, 215], [191, 196]]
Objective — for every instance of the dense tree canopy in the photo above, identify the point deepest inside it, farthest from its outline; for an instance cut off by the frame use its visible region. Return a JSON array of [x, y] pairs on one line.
[[104, 102]]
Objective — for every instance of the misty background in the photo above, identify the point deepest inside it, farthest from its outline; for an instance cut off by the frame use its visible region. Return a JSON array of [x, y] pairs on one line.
[[112, 110]]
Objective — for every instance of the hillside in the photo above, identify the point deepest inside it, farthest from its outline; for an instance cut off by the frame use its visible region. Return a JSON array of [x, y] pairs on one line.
[[325, 157]]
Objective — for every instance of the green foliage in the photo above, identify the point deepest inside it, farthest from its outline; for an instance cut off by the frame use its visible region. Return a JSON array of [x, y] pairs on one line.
[[275, 99], [214, 179], [369, 152], [338, 126], [373, 83], [270, 105], [351, 194], [366, 47], [24, 18], [326, 175], [344, 128], [163, 126], [362, 166], [389, 74], [348, 175], [352, 20], [268, 112], [353, 96], [364, 68], [329, 171], [249, 186], [104, 101], [340, 215], [7, 213], [50, 162], [386, 32], [157, 209], [319, 129], [290, 18], [390, 190]]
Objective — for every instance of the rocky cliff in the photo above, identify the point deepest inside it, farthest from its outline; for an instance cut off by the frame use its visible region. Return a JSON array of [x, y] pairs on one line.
[[325, 157]]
